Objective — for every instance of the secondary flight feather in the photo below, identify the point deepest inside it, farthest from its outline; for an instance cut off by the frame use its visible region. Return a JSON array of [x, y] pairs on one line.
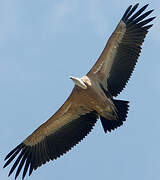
[[92, 97]]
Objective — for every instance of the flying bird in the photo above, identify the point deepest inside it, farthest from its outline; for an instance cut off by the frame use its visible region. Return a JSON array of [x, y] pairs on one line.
[[92, 98]]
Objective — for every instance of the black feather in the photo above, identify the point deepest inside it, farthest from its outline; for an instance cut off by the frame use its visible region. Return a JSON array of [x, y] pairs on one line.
[[129, 48]]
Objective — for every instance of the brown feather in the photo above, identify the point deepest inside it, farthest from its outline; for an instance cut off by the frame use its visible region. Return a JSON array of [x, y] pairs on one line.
[[120, 55], [35, 151], [77, 116]]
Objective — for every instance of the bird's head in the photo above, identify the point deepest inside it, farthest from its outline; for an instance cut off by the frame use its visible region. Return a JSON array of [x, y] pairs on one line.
[[79, 82]]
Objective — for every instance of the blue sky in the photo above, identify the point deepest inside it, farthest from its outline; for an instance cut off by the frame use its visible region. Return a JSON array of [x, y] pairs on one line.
[[42, 43]]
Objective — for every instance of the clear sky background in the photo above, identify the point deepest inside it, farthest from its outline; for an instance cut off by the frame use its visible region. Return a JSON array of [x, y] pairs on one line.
[[42, 43]]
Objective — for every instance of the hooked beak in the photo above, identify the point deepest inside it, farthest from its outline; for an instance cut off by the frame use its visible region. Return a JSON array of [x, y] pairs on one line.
[[71, 77]]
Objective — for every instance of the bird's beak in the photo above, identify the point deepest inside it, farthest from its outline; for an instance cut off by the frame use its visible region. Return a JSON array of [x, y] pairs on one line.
[[73, 78]]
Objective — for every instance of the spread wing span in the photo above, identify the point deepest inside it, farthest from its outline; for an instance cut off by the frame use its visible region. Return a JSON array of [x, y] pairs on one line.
[[52, 139], [117, 61], [76, 117]]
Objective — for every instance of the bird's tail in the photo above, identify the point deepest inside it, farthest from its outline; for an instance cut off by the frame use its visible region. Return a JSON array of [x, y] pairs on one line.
[[122, 110]]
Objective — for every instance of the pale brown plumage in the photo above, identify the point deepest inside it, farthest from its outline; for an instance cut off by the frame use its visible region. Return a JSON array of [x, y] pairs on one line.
[[91, 98]]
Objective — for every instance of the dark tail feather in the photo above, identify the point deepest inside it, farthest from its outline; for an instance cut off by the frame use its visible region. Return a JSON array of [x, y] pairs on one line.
[[122, 110]]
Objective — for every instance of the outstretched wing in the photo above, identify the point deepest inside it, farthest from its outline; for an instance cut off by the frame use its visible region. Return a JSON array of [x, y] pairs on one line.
[[117, 61], [67, 127]]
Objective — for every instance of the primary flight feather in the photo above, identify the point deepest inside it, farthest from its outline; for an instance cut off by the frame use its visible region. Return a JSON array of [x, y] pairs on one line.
[[91, 98]]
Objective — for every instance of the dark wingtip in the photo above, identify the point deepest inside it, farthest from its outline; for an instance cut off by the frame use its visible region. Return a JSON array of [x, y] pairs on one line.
[[11, 152], [129, 11], [136, 5], [126, 12], [146, 5], [4, 165], [128, 17]]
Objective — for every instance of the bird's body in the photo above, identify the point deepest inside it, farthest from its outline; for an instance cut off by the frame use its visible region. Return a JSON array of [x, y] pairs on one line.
[[92, 97]]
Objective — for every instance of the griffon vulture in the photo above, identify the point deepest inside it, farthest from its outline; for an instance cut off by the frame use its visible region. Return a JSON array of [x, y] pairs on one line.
[[91, 98]]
